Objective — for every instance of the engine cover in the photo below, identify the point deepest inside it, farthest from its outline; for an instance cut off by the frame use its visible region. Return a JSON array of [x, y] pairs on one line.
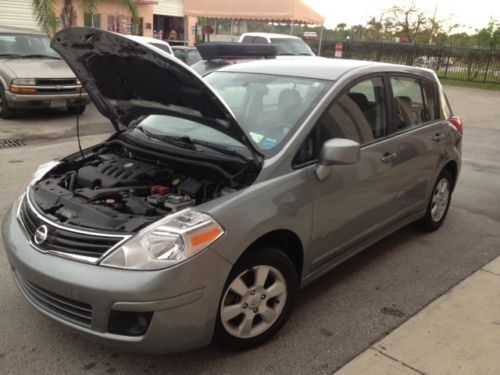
[[114, 172]]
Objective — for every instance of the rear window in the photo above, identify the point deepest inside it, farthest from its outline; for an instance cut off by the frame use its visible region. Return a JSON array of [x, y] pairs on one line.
[[291, 46]]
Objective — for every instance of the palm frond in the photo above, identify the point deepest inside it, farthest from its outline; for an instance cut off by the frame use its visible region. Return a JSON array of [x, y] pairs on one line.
[[45, 14], [88, 6], [131, 6]]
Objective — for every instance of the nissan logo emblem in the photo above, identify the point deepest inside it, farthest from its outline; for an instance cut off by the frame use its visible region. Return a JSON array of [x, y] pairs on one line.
[[41, 234]]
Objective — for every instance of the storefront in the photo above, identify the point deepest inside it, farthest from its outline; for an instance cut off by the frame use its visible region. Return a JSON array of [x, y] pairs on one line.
[[169, 21], [239, 11]]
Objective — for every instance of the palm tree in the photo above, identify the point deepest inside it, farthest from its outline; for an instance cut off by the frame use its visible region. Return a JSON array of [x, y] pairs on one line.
[[46, 14]]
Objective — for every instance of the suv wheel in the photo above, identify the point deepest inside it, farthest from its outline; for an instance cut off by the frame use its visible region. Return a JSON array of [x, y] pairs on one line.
[[5, 110], [257, 299], [438, 203]]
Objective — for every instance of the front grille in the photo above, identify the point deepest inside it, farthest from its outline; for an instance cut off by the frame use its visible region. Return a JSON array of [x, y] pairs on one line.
[[65, 308], [55, 81], [62, 90], [64, 240]]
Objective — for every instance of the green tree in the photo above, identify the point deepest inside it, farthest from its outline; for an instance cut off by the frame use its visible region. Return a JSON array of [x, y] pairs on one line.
[[375, 28], [406, 21], [47, 17], [488, 36]]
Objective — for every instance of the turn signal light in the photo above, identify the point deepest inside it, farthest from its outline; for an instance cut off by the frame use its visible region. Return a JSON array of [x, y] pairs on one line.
[[22, 90], [457, 123]]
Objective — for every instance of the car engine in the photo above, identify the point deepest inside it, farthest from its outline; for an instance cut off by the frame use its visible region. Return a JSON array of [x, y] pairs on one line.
[[119, 190]]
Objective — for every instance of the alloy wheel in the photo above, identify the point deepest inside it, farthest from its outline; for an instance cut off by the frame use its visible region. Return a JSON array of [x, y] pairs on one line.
[[440, 199], [253, 301]]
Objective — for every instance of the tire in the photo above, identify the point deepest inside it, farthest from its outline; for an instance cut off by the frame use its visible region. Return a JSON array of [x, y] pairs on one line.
[[77, 110], [5, 111], [439, 202], [257, 299]]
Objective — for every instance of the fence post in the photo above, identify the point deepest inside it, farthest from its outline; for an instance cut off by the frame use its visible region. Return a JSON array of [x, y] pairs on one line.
[[447, 62], [488, 63]]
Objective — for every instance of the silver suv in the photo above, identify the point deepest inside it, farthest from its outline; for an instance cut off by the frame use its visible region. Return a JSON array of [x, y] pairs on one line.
[[218, 198], [33, 75]]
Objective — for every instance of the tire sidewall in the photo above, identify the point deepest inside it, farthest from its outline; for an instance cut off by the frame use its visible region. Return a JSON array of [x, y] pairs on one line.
[[428, 223], [6, 112], [269, 256]]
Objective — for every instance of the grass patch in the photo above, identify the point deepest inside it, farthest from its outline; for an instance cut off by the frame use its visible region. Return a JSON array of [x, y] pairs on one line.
[[475, 85]]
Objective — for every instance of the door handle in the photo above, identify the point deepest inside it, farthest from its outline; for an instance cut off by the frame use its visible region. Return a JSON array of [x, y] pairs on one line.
[[387, 157], [438, 137]]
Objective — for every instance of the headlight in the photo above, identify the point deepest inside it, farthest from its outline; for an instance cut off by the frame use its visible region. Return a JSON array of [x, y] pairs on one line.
[[24, 81], [43, 170], [166, 242]]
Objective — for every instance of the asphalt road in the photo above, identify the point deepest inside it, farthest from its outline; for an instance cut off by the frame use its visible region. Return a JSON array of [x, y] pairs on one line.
[[47, 125], [336, 317]]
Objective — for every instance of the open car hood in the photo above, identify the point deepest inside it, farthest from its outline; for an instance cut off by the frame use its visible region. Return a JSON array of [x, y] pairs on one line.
[[127, 79]]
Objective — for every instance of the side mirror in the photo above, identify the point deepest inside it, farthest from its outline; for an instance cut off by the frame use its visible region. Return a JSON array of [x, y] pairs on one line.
[[337, 151]]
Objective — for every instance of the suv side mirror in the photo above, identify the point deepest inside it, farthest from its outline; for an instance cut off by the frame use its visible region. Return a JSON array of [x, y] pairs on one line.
[[337, 151]]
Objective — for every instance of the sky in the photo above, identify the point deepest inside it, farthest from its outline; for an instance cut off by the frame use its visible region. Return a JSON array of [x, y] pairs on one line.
[[473, 14]]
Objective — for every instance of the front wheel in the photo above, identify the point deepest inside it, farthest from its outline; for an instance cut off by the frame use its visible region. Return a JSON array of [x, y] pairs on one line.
[[257, 299], [439, 203], [5, 110]]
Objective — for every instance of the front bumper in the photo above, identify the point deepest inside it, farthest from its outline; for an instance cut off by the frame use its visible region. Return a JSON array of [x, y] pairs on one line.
[[45, 100], [183, 299]]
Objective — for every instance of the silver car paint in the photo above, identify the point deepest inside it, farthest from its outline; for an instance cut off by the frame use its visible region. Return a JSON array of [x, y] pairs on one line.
[[361, 203]]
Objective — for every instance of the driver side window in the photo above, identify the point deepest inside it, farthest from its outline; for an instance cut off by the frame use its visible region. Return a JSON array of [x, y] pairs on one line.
[[359, 114]]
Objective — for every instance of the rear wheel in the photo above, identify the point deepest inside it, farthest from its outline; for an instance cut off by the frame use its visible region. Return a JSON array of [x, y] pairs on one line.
[[257, 299], [438, 204], [5, 110]]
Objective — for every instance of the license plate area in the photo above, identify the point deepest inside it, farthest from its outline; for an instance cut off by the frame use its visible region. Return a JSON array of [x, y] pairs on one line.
[[58, 103]]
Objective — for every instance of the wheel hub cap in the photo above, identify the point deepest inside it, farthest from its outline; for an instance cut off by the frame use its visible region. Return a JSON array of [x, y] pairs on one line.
[[253, 301]]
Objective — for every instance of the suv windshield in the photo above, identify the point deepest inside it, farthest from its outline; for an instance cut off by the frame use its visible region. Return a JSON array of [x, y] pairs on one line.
[[290, 46], [26, 46], [268, 107]]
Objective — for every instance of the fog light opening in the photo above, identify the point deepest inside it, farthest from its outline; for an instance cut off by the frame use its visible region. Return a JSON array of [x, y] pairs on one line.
[[129, 323]]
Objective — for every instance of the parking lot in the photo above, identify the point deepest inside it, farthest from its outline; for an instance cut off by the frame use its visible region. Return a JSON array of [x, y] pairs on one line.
[[336, 317]]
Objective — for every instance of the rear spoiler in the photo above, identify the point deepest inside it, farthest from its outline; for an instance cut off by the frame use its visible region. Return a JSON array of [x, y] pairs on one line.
[[223, 50]]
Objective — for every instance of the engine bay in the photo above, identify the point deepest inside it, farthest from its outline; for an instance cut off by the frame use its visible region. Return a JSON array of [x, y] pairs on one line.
[[116, 189]]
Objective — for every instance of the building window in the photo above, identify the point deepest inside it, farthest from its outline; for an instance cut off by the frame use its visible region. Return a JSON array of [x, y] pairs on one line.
[[114, 23], [92, 20]]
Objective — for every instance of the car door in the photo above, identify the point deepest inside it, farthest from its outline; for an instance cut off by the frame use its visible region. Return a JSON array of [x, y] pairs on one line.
[[357, 200], [418, 140]]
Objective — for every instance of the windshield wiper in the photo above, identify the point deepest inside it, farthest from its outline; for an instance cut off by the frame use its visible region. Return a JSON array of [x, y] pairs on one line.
[[34, 56], [184, 142], [221, 149], [10, 55], [189, 143]]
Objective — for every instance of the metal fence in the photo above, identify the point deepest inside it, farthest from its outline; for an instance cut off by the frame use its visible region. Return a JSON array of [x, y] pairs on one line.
[[451, 62]]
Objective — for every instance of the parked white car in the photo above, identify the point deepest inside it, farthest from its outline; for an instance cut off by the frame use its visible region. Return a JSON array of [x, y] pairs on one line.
[[288, 45], [158, 43]]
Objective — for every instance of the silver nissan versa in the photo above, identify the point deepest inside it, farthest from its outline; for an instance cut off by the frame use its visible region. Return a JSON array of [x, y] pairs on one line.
[[218, 198]]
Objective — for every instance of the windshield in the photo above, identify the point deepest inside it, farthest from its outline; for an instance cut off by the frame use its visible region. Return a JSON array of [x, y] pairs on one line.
[[290, 46], [268, 107], [25, 46]]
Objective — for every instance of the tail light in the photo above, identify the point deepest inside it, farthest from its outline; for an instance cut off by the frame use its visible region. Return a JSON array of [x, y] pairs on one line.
[[457, 124]]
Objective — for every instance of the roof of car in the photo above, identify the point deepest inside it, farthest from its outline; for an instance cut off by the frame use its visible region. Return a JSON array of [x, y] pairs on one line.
[[146, 39], [19, 30], [319, 67], [271, 35]]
